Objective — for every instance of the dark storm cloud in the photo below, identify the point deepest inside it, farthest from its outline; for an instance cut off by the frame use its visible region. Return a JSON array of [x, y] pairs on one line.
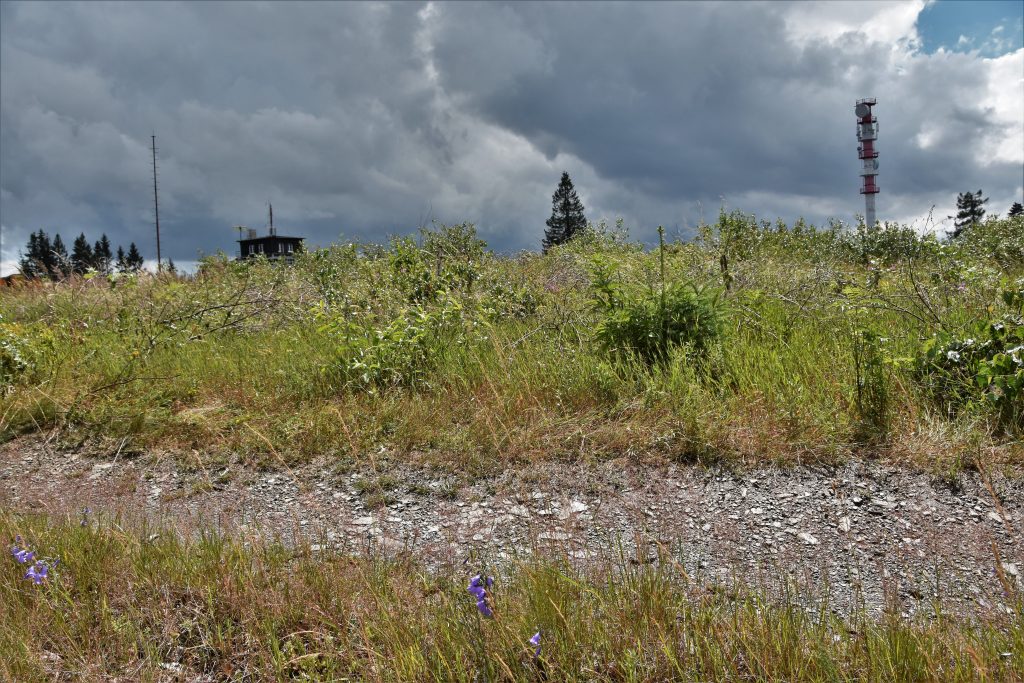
[[698, 100], [369, 119]]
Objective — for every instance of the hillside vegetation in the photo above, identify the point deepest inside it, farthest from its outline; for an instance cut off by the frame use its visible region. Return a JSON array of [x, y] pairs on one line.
[[754, 342]]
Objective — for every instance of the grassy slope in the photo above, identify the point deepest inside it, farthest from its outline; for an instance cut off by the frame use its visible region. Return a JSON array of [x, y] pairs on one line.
[[131, 602], [445, 351]]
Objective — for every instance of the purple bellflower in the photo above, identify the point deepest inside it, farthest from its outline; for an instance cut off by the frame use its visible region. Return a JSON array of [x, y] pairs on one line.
[[535, 641], [21, 555], [478, 588], [37, 572]]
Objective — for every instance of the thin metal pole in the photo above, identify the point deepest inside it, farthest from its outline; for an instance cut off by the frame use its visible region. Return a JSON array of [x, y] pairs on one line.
[[156, 211]]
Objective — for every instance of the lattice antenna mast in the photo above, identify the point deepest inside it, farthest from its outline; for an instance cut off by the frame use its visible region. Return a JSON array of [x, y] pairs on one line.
[[867, 133], [156, 211]]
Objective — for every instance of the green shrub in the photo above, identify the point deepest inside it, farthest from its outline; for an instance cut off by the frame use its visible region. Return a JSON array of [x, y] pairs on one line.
[[872, 386], [22, 348], [985, 366], [648, 323], [401, 352]]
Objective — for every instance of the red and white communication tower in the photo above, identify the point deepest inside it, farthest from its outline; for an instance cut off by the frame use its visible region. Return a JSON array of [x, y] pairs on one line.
[[867, 133]]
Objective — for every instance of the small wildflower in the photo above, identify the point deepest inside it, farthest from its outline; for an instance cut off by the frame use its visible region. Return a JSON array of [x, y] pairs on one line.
[[478, 586], [535, 641], [953, 356], [21, 555], [37, 572], [85, 517]]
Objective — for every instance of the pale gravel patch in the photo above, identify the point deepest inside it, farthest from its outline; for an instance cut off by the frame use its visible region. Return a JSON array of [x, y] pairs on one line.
[[872, 534]]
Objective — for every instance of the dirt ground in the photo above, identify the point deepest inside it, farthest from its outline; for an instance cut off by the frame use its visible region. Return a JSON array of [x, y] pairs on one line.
[[875, 536]]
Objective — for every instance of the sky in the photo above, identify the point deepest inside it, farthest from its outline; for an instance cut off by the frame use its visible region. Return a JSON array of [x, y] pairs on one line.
[[365, 120]]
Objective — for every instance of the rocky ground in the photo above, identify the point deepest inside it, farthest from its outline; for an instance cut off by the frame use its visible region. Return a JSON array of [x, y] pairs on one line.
[[871, 535]]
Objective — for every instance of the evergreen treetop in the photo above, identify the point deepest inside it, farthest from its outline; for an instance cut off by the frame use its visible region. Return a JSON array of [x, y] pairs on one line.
[[37, 258], [81, 255], [61, 263], [567, 218], [101, 255], [1015, 210], [133, 259], [970, 210]]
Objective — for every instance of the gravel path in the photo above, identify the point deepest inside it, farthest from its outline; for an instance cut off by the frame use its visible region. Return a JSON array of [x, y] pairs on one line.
[[874, 535]]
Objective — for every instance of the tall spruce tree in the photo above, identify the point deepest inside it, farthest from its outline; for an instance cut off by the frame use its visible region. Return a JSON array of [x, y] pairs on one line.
[[1015, 210], [81, 255], [101, 255], [970, 210], [567, 217], [61, 263], [122, 260], [133, 259], [38, 256]]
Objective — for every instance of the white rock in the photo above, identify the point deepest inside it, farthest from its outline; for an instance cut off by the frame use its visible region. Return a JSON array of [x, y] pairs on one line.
[[844, 524], [807, 538]]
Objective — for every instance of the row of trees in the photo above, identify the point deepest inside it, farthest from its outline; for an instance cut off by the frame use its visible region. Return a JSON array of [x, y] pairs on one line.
[[43, 258]]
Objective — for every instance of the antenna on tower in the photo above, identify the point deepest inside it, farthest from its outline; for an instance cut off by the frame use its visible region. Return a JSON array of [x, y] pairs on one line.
[[867, 133], [271, 206], [156, 210]]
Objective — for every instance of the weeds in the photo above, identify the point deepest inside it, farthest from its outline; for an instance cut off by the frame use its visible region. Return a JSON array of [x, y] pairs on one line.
[[146, 604], [436, 348]]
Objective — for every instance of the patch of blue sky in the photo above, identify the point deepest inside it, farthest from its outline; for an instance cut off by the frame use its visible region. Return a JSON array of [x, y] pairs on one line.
[[992, 27]]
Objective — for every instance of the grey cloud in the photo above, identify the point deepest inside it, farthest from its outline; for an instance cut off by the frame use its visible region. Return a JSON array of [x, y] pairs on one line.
[[366, 119]]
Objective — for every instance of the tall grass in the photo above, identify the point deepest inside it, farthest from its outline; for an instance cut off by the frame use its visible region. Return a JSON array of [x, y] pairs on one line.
[[144, 603], [441, 349]]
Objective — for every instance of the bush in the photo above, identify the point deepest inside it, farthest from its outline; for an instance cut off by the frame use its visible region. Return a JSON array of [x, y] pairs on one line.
[[872, 386], [649, 324], [403, 351], [986, 366], [22, 348]]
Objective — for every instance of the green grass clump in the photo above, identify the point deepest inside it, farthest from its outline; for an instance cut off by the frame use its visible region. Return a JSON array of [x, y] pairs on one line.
[[145, 604], [754, 342]]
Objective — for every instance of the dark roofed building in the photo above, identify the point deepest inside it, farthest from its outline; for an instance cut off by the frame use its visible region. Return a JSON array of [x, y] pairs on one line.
[[272, 246]]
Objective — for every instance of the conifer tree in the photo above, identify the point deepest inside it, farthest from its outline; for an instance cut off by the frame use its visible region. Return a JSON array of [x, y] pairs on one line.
[[567, 217], [970, 210], [133, 259], [170, 267], [101, 256], [81, 255], [122, 260], [61, 263], [1015, 210], [38, 257]]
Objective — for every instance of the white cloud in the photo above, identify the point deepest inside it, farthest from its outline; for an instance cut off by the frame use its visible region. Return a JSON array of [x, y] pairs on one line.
[[1004, 99], [882, 22]]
